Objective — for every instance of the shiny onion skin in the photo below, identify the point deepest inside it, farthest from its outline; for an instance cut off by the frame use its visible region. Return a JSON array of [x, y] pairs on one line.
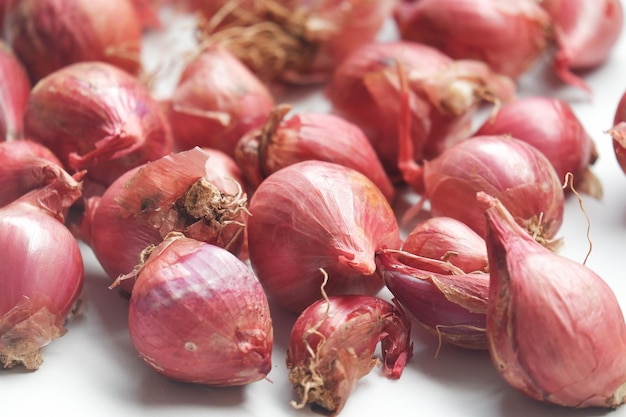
[[198, 314], [187, 192], [97, 117], [586, 32], [550, 125], [42, 272], [509, 36], [312, 215], [283, 141], [48, 35], [620, 112], [13, 94], [618, 133], [534, 292], [27, 165], [332, 345], [444, 95], [508, 168], [447, 302], [216, 101]]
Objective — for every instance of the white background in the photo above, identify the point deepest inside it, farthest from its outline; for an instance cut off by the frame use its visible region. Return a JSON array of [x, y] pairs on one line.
[[94, 370]]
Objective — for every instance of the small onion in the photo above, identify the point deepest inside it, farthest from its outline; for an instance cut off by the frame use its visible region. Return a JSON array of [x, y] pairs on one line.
[[13, 94], [620, 111], [507, 35], [198, 314], [618, 134], [312, 215], [48, 35], [304, 136], [42, 272], [95, 116]]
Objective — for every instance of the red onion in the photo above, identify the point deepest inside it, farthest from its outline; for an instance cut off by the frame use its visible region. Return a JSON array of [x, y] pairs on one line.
[[507, 35], [618, 133], [620, 112], [198, 314], [507, 168], [48, 35], [42, 272], [444, 95], [449, 303], [332, 346], [550, 125], [183, 192], [13, 95], [216, 101], [586, 32], [308, 135], [555, 329], [297, 41], [95, 116], [26, 165], [448, 239], [312, 215]]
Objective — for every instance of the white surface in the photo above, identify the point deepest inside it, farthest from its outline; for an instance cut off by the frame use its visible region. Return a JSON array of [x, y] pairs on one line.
[[94, 370]]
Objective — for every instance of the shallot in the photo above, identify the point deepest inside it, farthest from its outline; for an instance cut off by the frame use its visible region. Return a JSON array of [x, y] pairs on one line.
[[48, 35], [42, 272], [618, 133], [332, 346], [555, 328], [308, 135], [198, 314], [97, 117], [14, 90], [312, 215], [509, 36]]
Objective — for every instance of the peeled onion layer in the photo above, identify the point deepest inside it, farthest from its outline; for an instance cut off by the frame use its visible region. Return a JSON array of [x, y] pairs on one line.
[[555, 329], [312, 215]]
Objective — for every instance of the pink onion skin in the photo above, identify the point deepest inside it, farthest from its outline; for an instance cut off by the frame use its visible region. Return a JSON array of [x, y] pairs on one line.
[[95, 116], [42, 272], [550, 125], [507, 168], [533, 293], [508, 36], [13, 94], [48, 35], [620, 111], [618, 134], [444, 94], [304, 136], [586, 32], [448, 239], [347, 331], [217, 100], [180, 290], [312, 215], [452, 306], [26, 165]]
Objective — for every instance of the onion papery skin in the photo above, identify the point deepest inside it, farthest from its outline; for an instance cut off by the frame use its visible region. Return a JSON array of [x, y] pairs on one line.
[[312, 215], [534, 292], [216, 101], [509, 36], [443, 94], [550, 125], [26, 165], [42, 272], [198, 314], [305, 136], [448, 239], [48, 35], [95, 116], [13, 94], [326, 364], [513, 171], [147, 203], [586, 32], [452, 306], [618, 133]]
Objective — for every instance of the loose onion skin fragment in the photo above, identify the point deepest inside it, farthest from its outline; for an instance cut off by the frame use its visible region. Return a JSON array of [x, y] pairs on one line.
[[555, 329], [198, 314], [332, 346]]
